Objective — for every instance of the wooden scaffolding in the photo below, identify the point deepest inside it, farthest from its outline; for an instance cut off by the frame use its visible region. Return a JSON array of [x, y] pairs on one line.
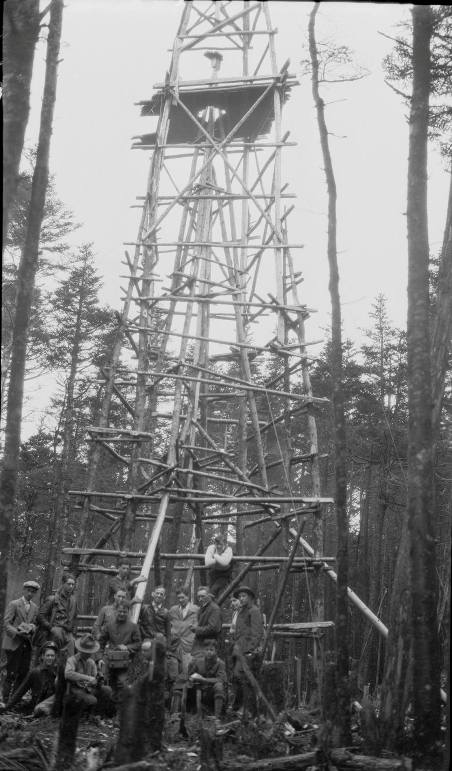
[[212, 422]]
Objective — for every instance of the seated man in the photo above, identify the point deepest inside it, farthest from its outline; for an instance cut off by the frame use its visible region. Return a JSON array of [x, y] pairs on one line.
[[107, 612], [41, 681], [57, 617], [80, 673], [154, 618], [207, 672], [119, 640]]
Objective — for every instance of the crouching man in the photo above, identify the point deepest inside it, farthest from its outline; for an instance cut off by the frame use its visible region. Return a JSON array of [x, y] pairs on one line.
[[41, 681], [84, 685]]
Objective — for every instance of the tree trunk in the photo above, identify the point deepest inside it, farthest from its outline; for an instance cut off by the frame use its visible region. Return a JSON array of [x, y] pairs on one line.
[[26, 278], [422, 557], [343, 715], [443, 320], [21, 22]]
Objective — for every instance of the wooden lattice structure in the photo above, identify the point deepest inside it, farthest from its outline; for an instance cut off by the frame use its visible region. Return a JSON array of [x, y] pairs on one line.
[[211, 413]]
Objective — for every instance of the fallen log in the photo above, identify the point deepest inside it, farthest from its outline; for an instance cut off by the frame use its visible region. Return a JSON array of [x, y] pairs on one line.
[[141, 765], [343, 758], [285, 763]]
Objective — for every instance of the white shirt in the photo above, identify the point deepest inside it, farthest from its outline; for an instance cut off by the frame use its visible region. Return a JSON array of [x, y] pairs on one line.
[[213, 557]]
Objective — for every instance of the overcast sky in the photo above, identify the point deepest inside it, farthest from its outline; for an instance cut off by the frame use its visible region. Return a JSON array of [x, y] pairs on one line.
[[113, 52]]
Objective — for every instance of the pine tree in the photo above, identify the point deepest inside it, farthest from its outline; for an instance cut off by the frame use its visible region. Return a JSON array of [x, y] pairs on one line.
[[77, 325]]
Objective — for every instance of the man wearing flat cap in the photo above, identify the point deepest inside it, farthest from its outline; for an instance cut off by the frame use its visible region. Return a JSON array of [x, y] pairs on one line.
[[20, 626], [247, 638]]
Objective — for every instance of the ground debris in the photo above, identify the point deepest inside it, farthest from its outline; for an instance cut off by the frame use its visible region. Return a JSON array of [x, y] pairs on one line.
[[32, 758]]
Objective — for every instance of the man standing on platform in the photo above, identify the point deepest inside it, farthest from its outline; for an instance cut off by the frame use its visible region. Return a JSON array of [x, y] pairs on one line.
[[218, 560], [247, 639], [57, 617], [19, 625], [209, 620]]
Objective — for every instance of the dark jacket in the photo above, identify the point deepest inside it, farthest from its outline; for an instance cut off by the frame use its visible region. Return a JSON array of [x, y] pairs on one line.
[[117, 583], [58, 610], [217, 670], [154, 621], [124, 633], [41, 683], [249, 629], [209, 624]]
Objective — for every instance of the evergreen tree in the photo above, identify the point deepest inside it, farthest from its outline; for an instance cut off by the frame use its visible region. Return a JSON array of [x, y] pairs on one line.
[[77, 326]]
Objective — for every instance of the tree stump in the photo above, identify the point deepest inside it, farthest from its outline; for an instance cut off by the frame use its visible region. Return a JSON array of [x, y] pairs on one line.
[[273, 680], [211, 746], [142, 714], [67, 735]]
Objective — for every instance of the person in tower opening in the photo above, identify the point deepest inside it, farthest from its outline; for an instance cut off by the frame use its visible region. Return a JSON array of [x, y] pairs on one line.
[[218, 560]]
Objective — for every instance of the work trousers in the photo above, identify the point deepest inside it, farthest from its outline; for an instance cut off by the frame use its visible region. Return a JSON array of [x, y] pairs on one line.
[[89, 699], [243, 692], [17, 666], [45, 707], [211, 695]]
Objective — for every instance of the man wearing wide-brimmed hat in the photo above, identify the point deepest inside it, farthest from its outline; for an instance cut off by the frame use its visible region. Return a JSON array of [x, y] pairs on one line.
[[20, 626], [81, 674], [247, 638]]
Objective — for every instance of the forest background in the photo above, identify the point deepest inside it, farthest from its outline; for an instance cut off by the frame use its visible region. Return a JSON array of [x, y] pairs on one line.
[[94, 179]]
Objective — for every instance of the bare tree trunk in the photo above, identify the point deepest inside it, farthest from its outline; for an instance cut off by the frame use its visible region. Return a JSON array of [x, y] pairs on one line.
[[26, 278], [342, 650], [21, 21], [443, 320], [422, 561]]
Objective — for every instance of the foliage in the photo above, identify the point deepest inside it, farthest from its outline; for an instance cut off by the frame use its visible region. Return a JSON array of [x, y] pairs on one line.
[[399, 70]]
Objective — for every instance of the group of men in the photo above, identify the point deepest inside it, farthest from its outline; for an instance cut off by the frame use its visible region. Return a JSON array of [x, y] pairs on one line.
[[95, 668]]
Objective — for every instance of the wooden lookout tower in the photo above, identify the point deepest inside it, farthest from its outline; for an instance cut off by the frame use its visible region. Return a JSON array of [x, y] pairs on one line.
[[210, 370]]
